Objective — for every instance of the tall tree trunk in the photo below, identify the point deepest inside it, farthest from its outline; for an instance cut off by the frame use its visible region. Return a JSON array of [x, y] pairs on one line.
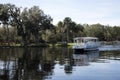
[[21, 33], [36, 38], [67, 34], [7, 35]]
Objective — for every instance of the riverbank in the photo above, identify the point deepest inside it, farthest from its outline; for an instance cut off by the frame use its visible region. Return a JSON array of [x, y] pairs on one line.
[[29, 45], [102, 43], [38, 45]]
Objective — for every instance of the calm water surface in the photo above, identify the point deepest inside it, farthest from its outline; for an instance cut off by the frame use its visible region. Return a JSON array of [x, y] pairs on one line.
[[58, 64]]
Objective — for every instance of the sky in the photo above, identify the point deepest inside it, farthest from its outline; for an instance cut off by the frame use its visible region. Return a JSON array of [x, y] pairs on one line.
[[106, 12]]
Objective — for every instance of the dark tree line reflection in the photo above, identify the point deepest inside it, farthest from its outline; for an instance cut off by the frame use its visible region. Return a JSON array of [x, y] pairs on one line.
[[25, 64], [39, 63]]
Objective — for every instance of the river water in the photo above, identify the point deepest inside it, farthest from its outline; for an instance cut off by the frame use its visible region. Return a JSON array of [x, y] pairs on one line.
[[59, 63]]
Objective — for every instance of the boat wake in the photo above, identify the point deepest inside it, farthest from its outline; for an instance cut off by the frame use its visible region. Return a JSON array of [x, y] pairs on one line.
[[109, 47]]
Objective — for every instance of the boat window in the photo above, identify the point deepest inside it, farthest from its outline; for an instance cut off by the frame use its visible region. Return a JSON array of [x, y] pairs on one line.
[[93, 40], [85, 40], [82, 40], [75, 41]]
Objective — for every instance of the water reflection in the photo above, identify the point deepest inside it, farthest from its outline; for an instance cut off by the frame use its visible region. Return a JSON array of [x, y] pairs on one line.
[[28, 65], [68, 66], [40, 63], [83, 59], [80, 59], [24, 64]]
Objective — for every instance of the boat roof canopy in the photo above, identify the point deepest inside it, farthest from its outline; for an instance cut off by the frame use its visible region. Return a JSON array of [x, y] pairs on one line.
[[85, 38]]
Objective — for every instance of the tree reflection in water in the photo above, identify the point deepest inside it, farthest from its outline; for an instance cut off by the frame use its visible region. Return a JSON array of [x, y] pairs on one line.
[[79, 59], [32, 66], [28, 64], [40, 63], [24, 64], [68, 62], [83, 59]]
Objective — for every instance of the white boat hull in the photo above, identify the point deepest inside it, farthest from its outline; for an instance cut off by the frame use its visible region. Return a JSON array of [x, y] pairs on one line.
[[86, 47]]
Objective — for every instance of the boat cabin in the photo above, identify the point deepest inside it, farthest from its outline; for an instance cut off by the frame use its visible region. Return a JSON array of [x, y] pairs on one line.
[[85, 39]]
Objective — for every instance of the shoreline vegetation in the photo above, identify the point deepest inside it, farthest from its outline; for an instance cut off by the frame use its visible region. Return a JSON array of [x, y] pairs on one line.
[[31, 27], [37, 45], [11, 45]]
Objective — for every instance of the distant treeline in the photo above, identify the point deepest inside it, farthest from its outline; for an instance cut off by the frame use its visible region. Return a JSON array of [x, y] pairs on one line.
[[32, 25]]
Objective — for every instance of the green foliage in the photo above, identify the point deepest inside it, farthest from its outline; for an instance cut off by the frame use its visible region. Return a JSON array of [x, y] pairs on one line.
[[32, 25]]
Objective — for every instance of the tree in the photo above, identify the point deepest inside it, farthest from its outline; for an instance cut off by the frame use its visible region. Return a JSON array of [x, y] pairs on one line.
[[46, 24], [61, 29], [5, 18], [115, 32], [95, 30], [30, 21], [16, 21], [67, 21]]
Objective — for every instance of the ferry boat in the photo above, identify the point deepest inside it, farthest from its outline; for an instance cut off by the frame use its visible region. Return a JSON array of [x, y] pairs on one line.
[[85, 43]]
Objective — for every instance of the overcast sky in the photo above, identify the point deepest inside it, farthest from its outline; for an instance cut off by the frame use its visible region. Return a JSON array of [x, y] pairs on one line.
[[106, 12]]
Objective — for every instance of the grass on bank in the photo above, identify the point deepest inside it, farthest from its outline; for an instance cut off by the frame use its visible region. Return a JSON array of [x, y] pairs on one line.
[[57, 44], [53, 44], [36, 45]]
